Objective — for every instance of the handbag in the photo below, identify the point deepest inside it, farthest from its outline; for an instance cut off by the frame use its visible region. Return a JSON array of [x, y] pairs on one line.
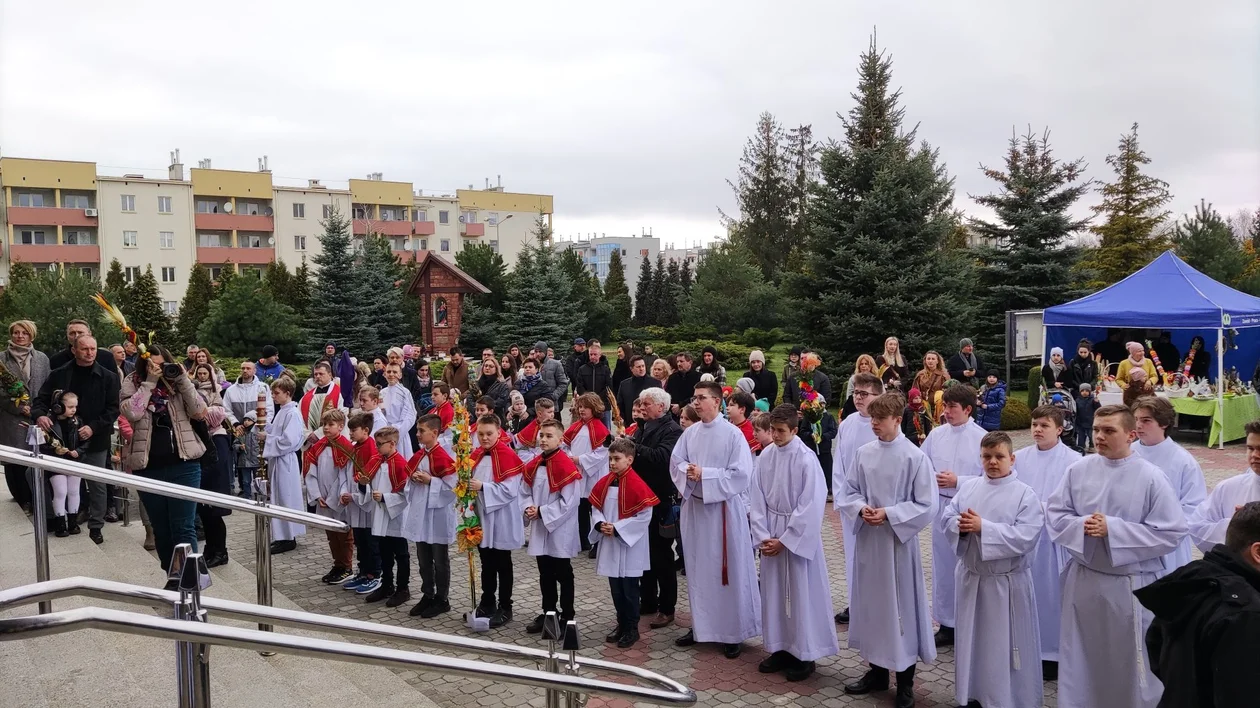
[[669, 524]]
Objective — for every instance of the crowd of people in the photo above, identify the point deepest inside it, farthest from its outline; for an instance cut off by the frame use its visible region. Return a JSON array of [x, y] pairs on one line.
[[1046, 564]]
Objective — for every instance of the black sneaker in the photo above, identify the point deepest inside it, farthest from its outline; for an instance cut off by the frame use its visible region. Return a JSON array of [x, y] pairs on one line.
[[278, 547], [340, 576], [628, 639], [776, 662], [95, 535], [438, 607], [398, 598], [327, 579], [536, 627], [842, 617], [421, 606], [384, 592], [945, 636], [500, 618], [614, 636], [801, 671]]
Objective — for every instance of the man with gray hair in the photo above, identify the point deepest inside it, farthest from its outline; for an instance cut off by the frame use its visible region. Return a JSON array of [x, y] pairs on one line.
[[552, 372], [653, 444]]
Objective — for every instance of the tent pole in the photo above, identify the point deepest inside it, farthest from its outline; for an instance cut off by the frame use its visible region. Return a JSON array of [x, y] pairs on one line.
[[1220, 383]]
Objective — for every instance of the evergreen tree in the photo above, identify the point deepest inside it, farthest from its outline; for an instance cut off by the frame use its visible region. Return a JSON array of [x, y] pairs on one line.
[[1255, 230], [51, 299], [380, 276], [616, 294], [478, 328], [1208, 244], [244, 317], [278, 282], [146, 314], [731, 293], [227, 273], [876, 262], [1030, 260], [117, 290], [764, 194], [1132, 207], [337, 302], [195, 305], [643, 295], [802, 153], [659, 293], [539, 304], [300, 300], [684, 278], [673, 295], [487, 267]]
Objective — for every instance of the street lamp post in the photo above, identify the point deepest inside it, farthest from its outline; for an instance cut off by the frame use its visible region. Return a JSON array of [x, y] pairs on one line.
[[496, 228]]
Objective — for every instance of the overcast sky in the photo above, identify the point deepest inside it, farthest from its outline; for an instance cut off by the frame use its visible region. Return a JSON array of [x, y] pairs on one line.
[[632, 117]]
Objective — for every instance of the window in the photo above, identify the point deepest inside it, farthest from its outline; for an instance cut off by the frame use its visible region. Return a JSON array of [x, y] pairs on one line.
[[87, 272], [247, 208], [170, 306], [75, 201], [493, 218], [215, 272], [494, 245], [205, 206], [166, 239], [164, 205], [251, 240], [33, 237], [28, 199], [299, 243], [327, 211], [168, 274], [424, 244], [130, 239], [128, 202], [444, 217], [393, 214], [398, 243], [79, 238], [299, 210], [422, 215], [360, 212], [446, 245], [131, 273], [468, 217]]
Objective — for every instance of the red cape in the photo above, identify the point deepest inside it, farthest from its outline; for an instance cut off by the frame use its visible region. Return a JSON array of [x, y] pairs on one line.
[[561, 470], [342, 449], [397, 470], [503, 461], [599, 433], [529, 434], [331, 401], [363, 454], [440, 462], [634, 496], [747, 429]]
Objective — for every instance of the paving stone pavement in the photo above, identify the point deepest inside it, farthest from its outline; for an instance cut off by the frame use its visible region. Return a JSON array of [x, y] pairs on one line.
[[716, 680]]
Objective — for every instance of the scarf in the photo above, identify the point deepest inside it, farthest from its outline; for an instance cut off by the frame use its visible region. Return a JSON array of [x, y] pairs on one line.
[[364, 453], [440, 462], [634, 494], [969, 361], [397, 470], [599, 433], [342, 451], [503, 461], [1058, 369], [561, 470], [915, 393], [425, 381], [485, 383], [528, 382], [22, 357]]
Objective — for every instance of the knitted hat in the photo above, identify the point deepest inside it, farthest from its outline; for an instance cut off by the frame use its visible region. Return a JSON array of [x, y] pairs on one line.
[[756, 355], [915, 392], [1056, 350], [746, 385], [1086, 388], [964, 343]]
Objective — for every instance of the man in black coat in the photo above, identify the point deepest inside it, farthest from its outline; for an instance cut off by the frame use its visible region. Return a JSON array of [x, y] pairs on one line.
[[577, 357], [97, 387], [594, 376], [633, 386], [965, 366], [653, 444], [1204, 642], [74, 330], [681, 385]]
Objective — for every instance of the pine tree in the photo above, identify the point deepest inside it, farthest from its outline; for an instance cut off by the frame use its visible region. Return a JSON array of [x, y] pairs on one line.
[[146, 314], [1208, 244], [616, 294], [227, 273], [1029, 264], [875, 263], [278, 282], [1255, 230], [539, 304], [380, 276], [195, 305], [300, 300], [731, 293], [659, 293], [117, 290], [643, 295], [244, 317], [335, 313], [478, 327], [684, 278], [673, 295], [764, 194], [487, 267], [1132, 208], [802, 154]]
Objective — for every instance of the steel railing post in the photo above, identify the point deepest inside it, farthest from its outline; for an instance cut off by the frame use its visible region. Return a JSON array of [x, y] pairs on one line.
[[40, 519]]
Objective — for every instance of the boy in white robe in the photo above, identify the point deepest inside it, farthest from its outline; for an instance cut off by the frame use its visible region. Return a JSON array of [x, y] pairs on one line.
[[1210, 520], [497, 482], [854, 432], [995, 521], [891, 495], [400, 408], [788, 496], [327, 469], [283, 440], [1154, 415], [711, 466], [525, 442], [1116, 516], [389, 517], [954, 449], [621, 507], [431, 517], [370, 404], [359, 506], [587, 441], [445, 411], [1041, 466], [551, 487]]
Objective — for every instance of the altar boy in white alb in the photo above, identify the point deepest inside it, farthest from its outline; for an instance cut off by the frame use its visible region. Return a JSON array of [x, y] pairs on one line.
[[711, 467], [854, 432], [788, 496], [431, 517], [1116, 516], [621, 509], [891, 496], [1154, 416], [1209, 521], [995, 521], [551, 492], [400, 408], [283, 438]]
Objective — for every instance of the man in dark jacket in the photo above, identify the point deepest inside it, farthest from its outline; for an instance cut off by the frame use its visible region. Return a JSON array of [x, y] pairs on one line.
[[965, 366], [633, 386], [653, 444], [97, 387], [681, 385], [594, 376], [74, 330], [552, 372], [576, 358], [1204, 642]]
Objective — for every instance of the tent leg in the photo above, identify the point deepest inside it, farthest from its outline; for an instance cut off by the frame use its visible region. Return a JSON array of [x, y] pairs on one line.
[[1220, 384]]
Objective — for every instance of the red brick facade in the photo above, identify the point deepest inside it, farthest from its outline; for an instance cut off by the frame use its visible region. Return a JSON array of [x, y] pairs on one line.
[[440, 283]]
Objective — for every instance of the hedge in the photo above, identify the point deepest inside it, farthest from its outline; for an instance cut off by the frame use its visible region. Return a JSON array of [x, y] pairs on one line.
[[1034, 387], [1016, 415]]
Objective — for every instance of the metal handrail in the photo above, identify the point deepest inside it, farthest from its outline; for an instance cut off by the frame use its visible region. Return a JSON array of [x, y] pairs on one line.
[[154, 597], [237, 637]]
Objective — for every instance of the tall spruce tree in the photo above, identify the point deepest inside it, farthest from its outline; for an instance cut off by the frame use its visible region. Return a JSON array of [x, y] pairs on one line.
[[616, 294], [1132, 209], [117, 290], [1208, 244], [539, 304], [146, 313], [338, 297], [802, 154], [731, 294], [1030, 259], [673, 295], [876, 263], [195, 305], [643, 295], [659, 294], [300, 299], [763, 192], [246, 316], [487, 267], [685, 277], [278, 281], [380, 277]]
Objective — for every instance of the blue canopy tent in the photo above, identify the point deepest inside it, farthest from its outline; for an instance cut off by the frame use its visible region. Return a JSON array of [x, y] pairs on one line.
[[1165, 295]]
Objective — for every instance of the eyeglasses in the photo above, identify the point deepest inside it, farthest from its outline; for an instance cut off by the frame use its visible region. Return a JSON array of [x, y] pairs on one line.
[[862, 394], [697, 399]]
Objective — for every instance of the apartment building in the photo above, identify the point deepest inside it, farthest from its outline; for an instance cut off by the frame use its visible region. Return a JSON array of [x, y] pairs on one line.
[[596, 252], [148, 222], [51, 216], [299, 216], [692, 255]]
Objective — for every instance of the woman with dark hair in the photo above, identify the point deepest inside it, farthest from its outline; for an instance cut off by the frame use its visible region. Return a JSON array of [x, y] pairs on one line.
[[424, 384], [161, 406], [621, 371], [377, 377], [203, 357], [511, 372], [216, 464], [710, 364], [514, 351], [1083, 369]]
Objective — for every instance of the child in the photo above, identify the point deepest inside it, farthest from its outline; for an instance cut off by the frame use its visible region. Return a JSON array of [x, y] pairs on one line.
[[431, 517], [64, 442], [370, 404], [587, 440], [1154, 416], [327, 467], [636, 415], [916, 422], [389, 515], [399, 407], [519, 415], [445, 411], [526, 441], [854, 431], [484, 406], [738, 408], [688, 416], [786, 517], [762, 429], [1139, 386], [359, 506], [1041, 466], [994, 523], [889, 498], [1067, 405], [282, 441], [245, 445], [621, 505], [1086, 405], [991, 402], [497, 482], [552, 489]]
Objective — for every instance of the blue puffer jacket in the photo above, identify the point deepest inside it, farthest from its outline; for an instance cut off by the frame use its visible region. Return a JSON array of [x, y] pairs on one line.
[[994, 397]]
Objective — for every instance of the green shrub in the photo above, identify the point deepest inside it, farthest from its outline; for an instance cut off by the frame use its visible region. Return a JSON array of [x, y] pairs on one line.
[[435, 369], [1034, 387], [762, 339], [1016, 415]]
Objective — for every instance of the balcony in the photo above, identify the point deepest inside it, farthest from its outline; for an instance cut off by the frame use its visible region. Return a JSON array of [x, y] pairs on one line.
[[385, 228], [39, 253], [472, 229], [229, 222], [209, 255], [49, 216], [423, 228]]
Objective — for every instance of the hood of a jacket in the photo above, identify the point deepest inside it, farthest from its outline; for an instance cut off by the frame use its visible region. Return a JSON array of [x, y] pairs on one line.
[[1221, 577]]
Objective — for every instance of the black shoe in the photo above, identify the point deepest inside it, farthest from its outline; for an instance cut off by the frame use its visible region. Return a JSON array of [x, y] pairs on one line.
[[686, 640], [435, 609], [536, 627], [111, 517], [776, 662], [282, 546], [327, 579], [217, 560], [905, 688], [171, 585], [384, 592], [483, 611], [95, 535], [591, 553], [399, 597], [801, 671], [424, 604], [1049, 671], [875, 679], [615, 635], [72, 526], [59, 527], [628, 639], [945, 636], [732, 651], [842, 617], [500, 618]]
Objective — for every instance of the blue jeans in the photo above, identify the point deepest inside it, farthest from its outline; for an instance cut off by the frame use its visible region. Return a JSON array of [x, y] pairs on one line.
[[172, 519]]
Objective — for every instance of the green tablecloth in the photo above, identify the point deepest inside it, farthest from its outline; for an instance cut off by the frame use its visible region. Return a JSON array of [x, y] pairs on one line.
[[1239, 410]]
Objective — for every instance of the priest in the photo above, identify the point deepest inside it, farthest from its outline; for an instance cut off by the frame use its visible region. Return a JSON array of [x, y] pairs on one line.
[[711, 467], [1210, 520], [1154, 415], [854, 432], [1116, 516], [324, 397]]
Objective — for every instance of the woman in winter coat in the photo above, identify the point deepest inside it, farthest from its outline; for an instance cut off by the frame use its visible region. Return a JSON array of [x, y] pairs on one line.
[[710, 364], [1082, 368], [216, 464], [766, 383], [493, 384], [29, 366], [992, 400], [621, 371], [532, 386], [1056, 375]]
